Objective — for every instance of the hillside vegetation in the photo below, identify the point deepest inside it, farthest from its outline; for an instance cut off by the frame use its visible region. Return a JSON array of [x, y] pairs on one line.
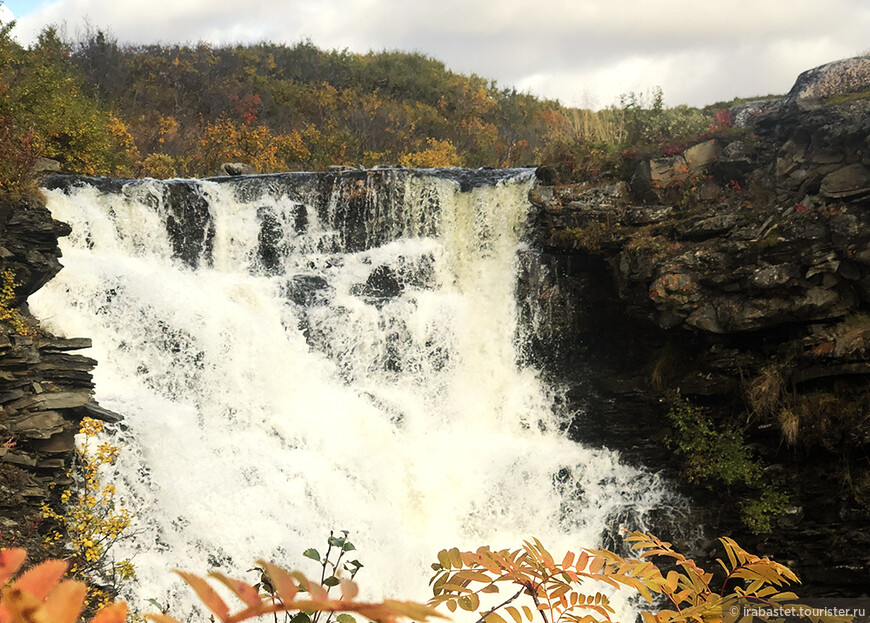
[[181, 110]]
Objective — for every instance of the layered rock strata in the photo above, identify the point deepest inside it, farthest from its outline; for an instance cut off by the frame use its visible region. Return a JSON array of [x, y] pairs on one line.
[[736, 274], [45, 386]]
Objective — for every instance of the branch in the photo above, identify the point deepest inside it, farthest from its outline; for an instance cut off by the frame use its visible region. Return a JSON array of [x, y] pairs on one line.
[[501, 605], [534, 595]]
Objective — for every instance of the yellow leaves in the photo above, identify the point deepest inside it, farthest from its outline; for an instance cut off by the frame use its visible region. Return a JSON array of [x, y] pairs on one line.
[[11, 314], [493, 617], [90, 518], [91, 427], [437, 153]]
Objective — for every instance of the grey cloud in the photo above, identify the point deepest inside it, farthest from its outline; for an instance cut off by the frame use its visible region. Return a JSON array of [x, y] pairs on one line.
[[698, 52]]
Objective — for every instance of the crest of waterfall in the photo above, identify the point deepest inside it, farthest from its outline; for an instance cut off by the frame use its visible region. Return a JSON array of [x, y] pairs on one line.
[[305, 352]]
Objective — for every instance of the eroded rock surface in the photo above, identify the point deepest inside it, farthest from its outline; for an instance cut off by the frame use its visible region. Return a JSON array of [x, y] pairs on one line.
[[45, 386], [737, 274]]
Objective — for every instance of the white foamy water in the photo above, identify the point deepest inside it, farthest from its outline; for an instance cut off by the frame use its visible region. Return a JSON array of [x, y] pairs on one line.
[[265, 407]]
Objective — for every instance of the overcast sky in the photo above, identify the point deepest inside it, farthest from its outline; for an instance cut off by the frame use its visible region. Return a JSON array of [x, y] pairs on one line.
[[583, 52]]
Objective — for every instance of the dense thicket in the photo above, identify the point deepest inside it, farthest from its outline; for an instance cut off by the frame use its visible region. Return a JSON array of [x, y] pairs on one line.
[[189, 108], [181, 110]]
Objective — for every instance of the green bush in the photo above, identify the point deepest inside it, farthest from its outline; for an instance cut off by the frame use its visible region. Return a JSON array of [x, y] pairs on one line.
[[711, 457], [715, 457]]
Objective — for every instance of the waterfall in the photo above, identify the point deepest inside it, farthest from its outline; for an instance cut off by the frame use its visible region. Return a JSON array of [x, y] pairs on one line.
[[304, 352]]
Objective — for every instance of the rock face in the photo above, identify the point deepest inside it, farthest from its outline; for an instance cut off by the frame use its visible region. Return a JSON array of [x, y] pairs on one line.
[[45, 388], [736, 274], [851, 75]]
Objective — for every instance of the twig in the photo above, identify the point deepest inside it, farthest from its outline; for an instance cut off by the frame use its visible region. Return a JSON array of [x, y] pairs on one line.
[[502, 604]]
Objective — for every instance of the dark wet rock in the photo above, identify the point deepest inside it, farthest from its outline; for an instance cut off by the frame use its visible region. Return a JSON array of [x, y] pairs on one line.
[[188, 222], [758, 280], [848, 181], [382, 283], [308, 290], [93, 410], [45, 390]]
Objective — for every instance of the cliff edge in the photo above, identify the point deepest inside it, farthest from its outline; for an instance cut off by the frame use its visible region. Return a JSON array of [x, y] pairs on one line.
[[735, 275]]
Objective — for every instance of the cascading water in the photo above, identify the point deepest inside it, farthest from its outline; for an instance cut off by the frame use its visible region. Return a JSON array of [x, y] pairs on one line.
[[305, 352]]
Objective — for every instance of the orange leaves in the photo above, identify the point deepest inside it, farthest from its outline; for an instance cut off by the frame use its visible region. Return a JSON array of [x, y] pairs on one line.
[[228, 141], [207, 595], [288, 586], [10, 562], [39, 580], [39, 595], [549, 585], [555, 588], [282, 582]]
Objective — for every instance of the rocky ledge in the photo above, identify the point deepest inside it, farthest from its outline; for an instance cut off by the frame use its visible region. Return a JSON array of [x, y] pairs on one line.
[[735, 275], [45, 388]]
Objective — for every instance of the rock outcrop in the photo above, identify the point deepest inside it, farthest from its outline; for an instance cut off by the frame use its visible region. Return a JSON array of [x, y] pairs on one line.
[[236, 168], [45, 387], [738, 275]]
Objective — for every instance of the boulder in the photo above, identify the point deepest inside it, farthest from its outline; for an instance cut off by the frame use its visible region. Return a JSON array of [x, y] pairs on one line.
[[848, 181], [700, 155], [383, 282], [236, 168], [46, 165], [850, 75], [307, 290], [659, 173]]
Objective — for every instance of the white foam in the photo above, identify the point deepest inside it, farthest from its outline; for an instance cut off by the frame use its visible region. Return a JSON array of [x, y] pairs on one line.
[[411, 425]]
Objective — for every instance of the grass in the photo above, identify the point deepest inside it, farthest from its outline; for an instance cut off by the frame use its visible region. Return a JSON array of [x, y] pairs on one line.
[[845, 98]]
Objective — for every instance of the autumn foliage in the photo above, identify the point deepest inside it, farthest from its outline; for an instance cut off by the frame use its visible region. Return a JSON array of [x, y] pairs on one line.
[[293, 591], [39, 595], [182, 110], [536, 584], [558, 589]]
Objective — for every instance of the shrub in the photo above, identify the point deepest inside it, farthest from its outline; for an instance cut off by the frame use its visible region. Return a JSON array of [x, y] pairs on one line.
[[91, 520], [714, 457], [8, 313], [435, 154], [759, 514], [711, 457], [18, 155], [42, 98]]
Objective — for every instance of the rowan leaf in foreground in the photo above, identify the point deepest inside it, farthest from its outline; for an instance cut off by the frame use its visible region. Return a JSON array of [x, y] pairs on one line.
[[564, 591], [39, 595]]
